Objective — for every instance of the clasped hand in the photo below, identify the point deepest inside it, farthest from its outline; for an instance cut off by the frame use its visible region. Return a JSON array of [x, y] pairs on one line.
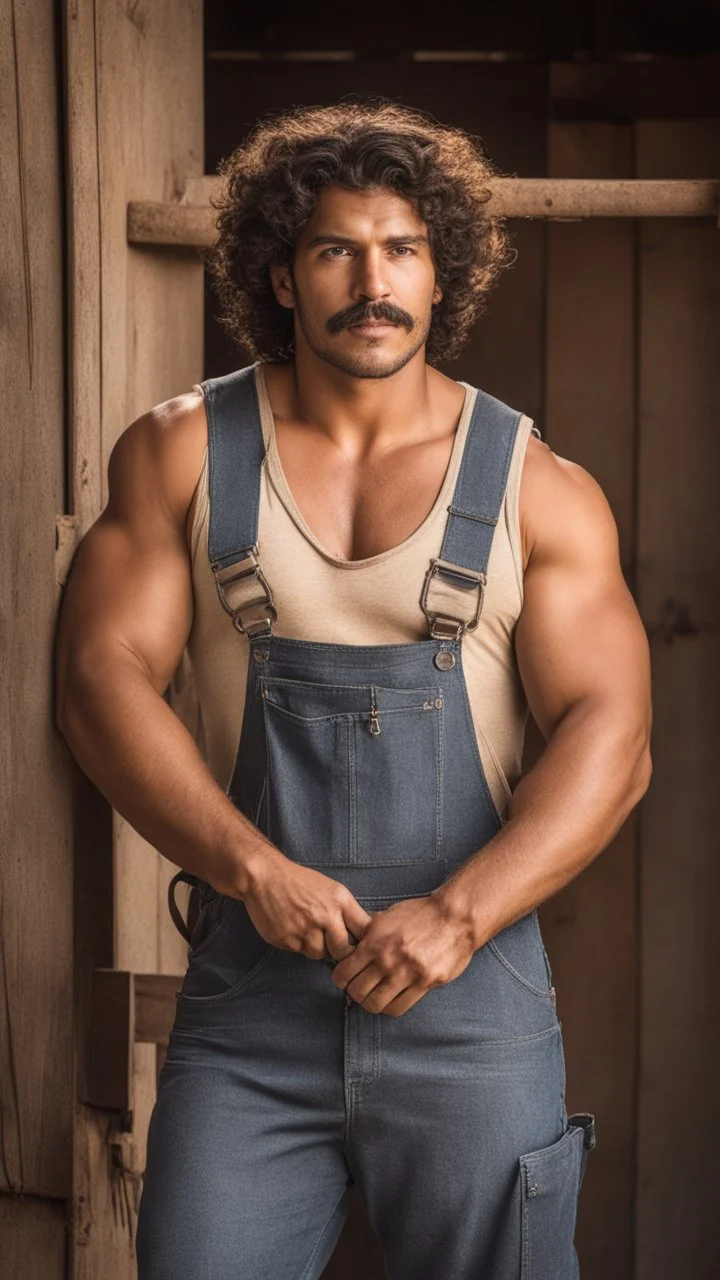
[[404, 951]]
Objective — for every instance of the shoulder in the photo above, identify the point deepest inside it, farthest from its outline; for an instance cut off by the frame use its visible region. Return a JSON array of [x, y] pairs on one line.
[[158, 458], [564, 512]]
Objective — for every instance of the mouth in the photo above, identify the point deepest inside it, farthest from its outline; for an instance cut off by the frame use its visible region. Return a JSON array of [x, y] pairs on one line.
[[373, 326]]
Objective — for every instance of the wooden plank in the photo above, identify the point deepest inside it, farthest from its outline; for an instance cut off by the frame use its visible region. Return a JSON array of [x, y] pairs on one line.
[[83, 277], [515, 26], [152, 316], [678, 537], [135, 123], [36, 900], [192, 225], [623, 89], [128, 1009], [33, 1234], [590, 927]]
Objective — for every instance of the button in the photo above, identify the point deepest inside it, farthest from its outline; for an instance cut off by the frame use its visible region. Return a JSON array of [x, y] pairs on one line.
[[261, 655], [444, 659]]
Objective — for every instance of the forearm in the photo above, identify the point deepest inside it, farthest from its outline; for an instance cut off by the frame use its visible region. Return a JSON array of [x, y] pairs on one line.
[[140, 755], [563, 813]]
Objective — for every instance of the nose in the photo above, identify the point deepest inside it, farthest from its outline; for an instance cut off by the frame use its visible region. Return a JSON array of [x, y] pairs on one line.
[[369, 280]]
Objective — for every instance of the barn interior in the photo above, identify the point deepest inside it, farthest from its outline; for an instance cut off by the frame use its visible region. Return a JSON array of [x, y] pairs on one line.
[[605, 332]]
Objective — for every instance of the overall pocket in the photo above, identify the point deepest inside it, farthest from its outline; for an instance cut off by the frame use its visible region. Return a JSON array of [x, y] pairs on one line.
[[354, 772], [227, 957], [550, 1181], [520, 950]]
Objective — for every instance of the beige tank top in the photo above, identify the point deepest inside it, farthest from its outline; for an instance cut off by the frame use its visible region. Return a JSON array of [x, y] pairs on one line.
[[322, 597]]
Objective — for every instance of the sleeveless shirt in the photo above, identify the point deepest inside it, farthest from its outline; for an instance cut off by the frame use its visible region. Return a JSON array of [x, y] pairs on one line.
[[376, 600]]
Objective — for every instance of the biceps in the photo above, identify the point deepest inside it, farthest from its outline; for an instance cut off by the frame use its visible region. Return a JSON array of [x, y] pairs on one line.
[[125, 599], [580, 637]]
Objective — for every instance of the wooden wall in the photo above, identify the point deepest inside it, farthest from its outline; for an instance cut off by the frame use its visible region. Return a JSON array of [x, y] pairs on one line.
[[36, 1058], [678, 536], [135, 130]]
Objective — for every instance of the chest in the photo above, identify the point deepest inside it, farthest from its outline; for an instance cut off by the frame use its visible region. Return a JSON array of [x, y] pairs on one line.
[[357, 509]]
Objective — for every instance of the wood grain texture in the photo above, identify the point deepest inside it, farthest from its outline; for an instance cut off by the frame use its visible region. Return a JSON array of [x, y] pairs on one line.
[[36, 893], [590, 927], [678, 539], [33, 1234], [135, 126]]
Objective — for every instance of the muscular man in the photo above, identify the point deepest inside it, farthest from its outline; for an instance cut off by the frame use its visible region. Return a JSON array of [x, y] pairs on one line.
[[376, 569]]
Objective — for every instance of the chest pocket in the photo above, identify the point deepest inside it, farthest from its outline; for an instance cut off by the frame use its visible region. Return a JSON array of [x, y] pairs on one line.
[[354, 773]]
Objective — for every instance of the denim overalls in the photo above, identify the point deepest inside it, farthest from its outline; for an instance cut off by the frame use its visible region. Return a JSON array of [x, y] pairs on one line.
[[278, 1091]]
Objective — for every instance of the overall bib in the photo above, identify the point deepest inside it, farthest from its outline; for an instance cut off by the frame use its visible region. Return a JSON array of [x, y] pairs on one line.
[[278, 1091]]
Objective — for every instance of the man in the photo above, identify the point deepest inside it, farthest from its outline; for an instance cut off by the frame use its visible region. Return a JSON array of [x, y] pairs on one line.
[[407, 569]]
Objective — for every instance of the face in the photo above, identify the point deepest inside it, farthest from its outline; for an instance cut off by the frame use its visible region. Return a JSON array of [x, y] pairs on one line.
[[364, 256]]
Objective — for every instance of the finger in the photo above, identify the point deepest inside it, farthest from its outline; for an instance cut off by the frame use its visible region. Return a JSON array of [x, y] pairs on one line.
[[356, 919], [404, 1001], [337, 941], [370, 981], [314, 944]]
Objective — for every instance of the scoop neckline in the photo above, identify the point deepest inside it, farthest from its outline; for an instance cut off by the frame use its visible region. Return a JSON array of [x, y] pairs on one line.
[[279, 479]]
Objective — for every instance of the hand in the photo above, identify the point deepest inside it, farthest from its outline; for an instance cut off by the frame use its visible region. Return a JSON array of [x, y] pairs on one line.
[[406, 949], [299, 909]]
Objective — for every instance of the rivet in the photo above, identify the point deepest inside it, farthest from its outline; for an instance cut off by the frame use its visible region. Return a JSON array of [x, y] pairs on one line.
[[438, 703], [261, 655], [444, 660]]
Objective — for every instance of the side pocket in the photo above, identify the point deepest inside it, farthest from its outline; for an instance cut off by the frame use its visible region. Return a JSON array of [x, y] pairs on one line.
[[228, 957], [214, 911], [550, 1181]]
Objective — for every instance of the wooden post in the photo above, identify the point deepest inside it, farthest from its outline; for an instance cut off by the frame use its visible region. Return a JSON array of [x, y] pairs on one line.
[[678, 538], [36, 1050], [591, 926], [134, 80]]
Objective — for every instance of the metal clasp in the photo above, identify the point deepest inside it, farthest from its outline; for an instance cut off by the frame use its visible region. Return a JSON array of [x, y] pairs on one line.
[[445, 626], [236, 586]]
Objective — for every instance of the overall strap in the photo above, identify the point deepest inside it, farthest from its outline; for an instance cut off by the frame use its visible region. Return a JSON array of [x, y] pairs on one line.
[[454, 586], [236, 450]]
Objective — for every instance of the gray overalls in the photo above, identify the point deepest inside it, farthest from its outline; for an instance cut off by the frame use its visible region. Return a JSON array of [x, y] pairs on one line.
[[279, 1091]]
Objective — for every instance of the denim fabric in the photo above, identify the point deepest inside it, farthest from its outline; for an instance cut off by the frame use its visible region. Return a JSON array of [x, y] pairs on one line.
[[278, 1091]]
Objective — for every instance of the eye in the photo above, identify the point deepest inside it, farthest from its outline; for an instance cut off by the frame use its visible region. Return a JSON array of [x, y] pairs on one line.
[[406, 247], [331, 251]]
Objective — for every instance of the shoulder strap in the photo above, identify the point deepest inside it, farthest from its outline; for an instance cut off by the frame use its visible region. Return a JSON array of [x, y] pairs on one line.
[[456, 579], [236, 450]]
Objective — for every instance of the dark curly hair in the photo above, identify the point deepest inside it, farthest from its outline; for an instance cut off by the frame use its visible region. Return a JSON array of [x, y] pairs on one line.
[[273, 180]]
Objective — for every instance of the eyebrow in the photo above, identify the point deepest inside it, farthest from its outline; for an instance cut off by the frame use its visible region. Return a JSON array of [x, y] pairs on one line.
[[389, 240]]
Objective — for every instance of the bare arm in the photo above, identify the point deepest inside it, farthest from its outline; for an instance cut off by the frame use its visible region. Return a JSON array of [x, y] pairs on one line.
[[124, 623], [584, 662], [125, 618]]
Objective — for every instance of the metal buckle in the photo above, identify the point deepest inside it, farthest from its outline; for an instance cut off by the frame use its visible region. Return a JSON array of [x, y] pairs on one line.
[[446, 626], [230, 576]]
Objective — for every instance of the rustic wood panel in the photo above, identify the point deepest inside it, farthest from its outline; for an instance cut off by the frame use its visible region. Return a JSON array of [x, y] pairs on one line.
[[36, 899], [135, 124], [678, 538], [33, 1234], [624, 89], [590, 927]]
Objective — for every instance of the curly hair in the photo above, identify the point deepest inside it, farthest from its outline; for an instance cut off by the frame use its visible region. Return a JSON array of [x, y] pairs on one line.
[[273, 180]]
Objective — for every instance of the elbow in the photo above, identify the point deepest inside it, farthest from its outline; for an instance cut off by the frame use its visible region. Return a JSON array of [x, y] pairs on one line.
[[75, 686], [64, 706], [641, 774]]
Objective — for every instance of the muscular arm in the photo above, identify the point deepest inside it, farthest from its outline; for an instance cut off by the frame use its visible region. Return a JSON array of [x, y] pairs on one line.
[[124, 622], [584, 663]]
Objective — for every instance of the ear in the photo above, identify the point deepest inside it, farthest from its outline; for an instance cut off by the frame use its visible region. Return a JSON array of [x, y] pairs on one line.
[[437, 295], [282, 283]]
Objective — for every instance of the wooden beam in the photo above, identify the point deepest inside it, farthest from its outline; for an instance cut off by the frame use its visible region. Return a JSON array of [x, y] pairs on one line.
[[128, 1009], [191, 224]]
